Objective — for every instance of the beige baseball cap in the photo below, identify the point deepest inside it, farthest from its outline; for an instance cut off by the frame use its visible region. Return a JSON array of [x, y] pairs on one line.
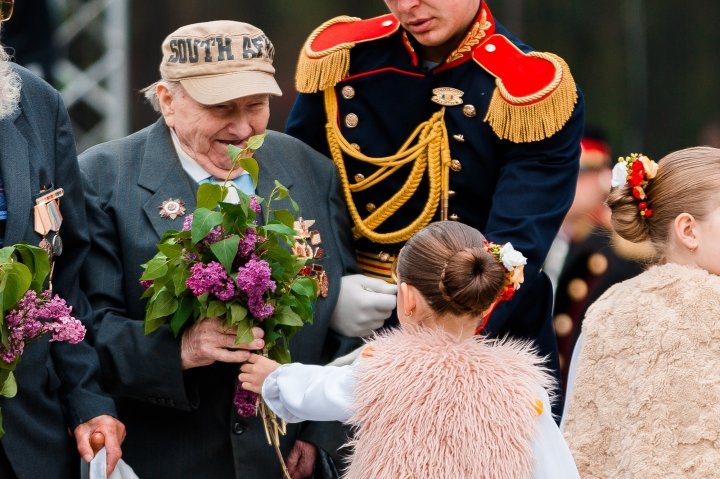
[[220, 61]]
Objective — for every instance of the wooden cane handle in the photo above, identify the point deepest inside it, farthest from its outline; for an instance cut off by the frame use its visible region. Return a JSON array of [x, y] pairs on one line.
[[97, 441]]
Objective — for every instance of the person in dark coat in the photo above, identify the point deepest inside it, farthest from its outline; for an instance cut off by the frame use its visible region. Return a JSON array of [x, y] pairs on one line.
[[175, 393], [58, 393]]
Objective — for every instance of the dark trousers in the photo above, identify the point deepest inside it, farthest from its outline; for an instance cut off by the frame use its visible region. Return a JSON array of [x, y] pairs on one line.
[[6, 470]]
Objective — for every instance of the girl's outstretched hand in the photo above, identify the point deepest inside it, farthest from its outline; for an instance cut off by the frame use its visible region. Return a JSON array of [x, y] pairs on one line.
[[254, 371]]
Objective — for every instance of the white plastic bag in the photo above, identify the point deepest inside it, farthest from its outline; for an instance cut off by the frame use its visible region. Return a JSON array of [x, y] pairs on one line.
[[97, 467]]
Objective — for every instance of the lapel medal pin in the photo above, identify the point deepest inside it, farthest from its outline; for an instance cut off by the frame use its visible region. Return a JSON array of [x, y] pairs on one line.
[[47, 218], [172, 208]]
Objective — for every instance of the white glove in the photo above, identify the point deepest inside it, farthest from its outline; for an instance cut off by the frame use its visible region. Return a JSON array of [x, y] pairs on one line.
[[363, 305]]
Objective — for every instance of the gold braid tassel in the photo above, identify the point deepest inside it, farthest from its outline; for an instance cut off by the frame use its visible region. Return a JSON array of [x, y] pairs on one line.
[[431, 153], [317, 71], [534, 117]]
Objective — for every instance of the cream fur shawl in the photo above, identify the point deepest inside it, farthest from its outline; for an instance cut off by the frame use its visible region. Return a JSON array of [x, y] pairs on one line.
[[646, 399], [429, 406]]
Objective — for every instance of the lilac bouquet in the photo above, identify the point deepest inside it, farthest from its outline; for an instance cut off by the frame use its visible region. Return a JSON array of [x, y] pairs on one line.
[[28, 312], [229, 261]]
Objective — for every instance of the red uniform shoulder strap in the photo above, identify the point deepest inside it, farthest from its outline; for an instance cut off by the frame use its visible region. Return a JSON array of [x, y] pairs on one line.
[[325, 57], [535, 92]]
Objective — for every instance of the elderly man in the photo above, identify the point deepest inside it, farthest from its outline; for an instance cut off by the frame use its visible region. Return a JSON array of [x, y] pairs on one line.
[[175, 395], [57, 382], [434, 111]]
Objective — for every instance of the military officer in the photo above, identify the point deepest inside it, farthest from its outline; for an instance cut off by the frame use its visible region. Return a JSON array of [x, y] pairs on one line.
[[435, 112]]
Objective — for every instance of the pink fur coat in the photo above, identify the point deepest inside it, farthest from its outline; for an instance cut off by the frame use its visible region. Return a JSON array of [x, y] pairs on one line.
[[429, 406]]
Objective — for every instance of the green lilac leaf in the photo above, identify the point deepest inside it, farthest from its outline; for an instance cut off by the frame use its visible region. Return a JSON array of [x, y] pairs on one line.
[[203, 221], [226, 250]]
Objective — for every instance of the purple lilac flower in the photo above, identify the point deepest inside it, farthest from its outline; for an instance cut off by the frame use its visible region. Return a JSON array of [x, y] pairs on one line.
[[226, 292], [255, 205], [210, 278], [247, 244], [259, 309], [213, 236], [187, 222], [54, 307], [66, 328], [188, 257], [245, 401], [24, 323], [254, 280]]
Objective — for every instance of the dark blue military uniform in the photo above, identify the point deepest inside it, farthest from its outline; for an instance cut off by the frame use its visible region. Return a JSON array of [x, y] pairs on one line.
[[513, 192]]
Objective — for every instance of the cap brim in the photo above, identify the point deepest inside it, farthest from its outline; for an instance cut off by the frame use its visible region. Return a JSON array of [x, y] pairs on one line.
[[215, 89]]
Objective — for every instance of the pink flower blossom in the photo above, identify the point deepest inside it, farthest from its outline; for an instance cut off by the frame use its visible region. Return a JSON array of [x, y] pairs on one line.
[[247, 244], [213, 236], [35, 316], [253, 279], [67, 329], [245, 401], [187, 222], [255, 205], [211, 278]]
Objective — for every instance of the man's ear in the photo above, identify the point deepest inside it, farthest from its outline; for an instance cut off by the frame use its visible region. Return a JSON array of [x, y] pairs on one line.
[[167, 105], [684, 229]]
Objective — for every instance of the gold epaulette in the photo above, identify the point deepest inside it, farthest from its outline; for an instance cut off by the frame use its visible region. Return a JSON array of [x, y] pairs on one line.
[[535, 93], [325, 57]]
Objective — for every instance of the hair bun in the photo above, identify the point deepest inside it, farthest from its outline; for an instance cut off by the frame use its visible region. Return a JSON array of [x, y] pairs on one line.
[[471, 280]]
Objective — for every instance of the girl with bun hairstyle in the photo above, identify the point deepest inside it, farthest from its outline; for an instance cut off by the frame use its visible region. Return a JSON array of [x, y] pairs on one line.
[[432, 399], [646, 391]]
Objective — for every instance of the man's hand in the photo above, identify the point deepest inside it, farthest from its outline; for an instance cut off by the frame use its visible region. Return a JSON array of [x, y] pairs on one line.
[[254, 372], [363, 305], [208, 341], [301, 460], [112, 430]]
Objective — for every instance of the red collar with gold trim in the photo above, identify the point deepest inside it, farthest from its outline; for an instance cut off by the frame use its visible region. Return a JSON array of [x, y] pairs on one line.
[[482, 28]]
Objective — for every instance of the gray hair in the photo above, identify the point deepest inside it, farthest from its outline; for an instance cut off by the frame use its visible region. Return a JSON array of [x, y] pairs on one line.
[[9, 86], [150, 92]]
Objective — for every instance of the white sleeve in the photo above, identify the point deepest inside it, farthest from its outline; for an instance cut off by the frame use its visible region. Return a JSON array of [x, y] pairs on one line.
[[299, 392], [553, 459], [571, 376]]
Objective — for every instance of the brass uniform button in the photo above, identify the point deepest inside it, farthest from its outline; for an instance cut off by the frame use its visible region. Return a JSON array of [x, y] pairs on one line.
[[451, 193], [469, 111], [351, 120], [454, 217], [359, 177], [383, 256], [597, 264], [577, 289], [348, 92], [355, 146], [370, 207], [563, 324], [460, 138], [456, 166]]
